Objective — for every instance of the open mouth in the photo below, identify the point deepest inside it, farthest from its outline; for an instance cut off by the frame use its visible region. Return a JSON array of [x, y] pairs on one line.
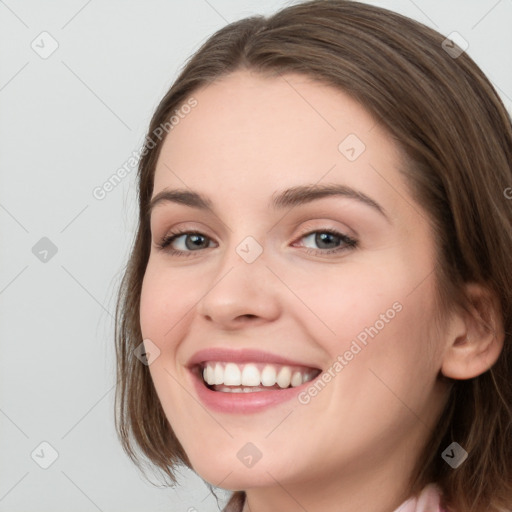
[[229, 377]]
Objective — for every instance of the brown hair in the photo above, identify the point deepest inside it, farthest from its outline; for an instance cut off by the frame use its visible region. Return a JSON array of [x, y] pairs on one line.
[[456, 136]]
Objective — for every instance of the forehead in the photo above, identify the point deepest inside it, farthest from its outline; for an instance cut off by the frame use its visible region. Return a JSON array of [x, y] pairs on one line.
[[251, 135]]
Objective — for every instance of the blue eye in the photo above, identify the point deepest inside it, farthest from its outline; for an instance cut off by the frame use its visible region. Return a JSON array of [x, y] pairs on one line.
[[328, 237], [193, 241]]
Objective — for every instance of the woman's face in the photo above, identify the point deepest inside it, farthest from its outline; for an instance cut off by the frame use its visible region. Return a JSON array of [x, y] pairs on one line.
[[338, 283]]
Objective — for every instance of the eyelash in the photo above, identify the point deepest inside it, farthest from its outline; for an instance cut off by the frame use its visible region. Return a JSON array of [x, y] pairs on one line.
[[350, 243]]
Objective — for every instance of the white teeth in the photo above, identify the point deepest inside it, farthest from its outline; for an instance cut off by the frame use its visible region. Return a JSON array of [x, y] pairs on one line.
[[254, 376], [268, 376], [218, 374], [250, 375], [296, 379], [284, 377], [228, 389], [209, 374], [232, 375]]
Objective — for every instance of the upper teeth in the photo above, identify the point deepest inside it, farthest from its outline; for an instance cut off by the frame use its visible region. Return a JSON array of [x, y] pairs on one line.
[[255, 374]]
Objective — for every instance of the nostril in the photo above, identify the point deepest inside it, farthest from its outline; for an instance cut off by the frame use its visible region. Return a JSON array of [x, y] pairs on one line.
[[247, 317]]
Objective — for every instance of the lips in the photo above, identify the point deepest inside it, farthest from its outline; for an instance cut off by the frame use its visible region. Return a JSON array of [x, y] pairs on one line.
[[232, 395], [241, 400]]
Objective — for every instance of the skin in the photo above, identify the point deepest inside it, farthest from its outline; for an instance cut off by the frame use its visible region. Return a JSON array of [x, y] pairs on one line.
[[354, 445]]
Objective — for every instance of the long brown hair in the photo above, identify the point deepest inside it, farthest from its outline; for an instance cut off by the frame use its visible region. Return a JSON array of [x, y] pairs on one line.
[[456, 136]]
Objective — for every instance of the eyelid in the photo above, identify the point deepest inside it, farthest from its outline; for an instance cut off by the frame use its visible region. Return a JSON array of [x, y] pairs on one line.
[[188, 226], [319, 224], [310, 225]]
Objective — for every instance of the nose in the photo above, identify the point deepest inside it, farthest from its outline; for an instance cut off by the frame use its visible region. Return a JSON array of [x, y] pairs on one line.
[[239, 293]]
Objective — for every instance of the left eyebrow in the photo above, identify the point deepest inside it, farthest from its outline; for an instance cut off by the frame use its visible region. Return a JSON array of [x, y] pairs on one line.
[[288, 198], [303, 194]]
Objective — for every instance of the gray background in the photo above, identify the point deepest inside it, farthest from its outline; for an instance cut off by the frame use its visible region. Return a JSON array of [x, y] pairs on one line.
[[67, 123]]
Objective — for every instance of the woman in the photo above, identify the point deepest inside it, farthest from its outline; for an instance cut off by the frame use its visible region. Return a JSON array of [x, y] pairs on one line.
[[371, 374]]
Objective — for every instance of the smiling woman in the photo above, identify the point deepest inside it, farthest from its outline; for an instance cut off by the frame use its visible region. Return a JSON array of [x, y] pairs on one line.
[[320, 271]]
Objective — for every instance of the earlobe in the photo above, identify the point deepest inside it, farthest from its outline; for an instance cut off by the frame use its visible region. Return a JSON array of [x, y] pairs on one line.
[[477, 336]]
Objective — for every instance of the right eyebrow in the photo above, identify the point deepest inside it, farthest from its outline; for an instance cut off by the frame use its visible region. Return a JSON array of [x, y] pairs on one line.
[[180, 196]]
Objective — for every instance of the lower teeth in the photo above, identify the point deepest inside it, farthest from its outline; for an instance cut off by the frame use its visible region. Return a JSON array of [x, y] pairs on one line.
[[242, 389]]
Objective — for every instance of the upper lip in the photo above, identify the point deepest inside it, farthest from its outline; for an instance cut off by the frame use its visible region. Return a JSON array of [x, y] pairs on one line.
[[242, 356]]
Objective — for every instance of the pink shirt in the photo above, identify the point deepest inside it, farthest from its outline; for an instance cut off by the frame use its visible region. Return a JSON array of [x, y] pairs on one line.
[[429, 500]]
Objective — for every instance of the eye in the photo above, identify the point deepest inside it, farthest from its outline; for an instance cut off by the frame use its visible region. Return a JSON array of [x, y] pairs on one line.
[[190, 241], [184, 243], [329, 241]]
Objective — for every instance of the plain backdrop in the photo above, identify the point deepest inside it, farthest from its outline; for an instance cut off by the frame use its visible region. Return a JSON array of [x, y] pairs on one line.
[[79, 81]]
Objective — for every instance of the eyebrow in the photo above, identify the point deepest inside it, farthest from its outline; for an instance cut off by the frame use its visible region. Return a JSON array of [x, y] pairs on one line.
[[291, 197]]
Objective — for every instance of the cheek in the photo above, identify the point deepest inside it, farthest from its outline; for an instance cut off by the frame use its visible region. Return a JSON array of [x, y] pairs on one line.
[[380, 354], [376, 314], [163, 301], [349, 299], [150, 306], [384, 335]]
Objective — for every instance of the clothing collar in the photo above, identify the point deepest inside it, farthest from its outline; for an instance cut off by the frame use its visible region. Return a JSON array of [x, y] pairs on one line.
[[429, 500]]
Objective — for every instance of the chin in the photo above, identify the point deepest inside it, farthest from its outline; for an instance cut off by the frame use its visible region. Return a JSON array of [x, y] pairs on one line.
[[234, 476]]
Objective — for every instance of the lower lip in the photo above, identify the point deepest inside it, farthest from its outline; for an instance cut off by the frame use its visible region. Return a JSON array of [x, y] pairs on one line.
[[244, 403]]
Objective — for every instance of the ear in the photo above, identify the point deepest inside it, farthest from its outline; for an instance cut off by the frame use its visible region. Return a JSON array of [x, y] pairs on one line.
[[476, 336]]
